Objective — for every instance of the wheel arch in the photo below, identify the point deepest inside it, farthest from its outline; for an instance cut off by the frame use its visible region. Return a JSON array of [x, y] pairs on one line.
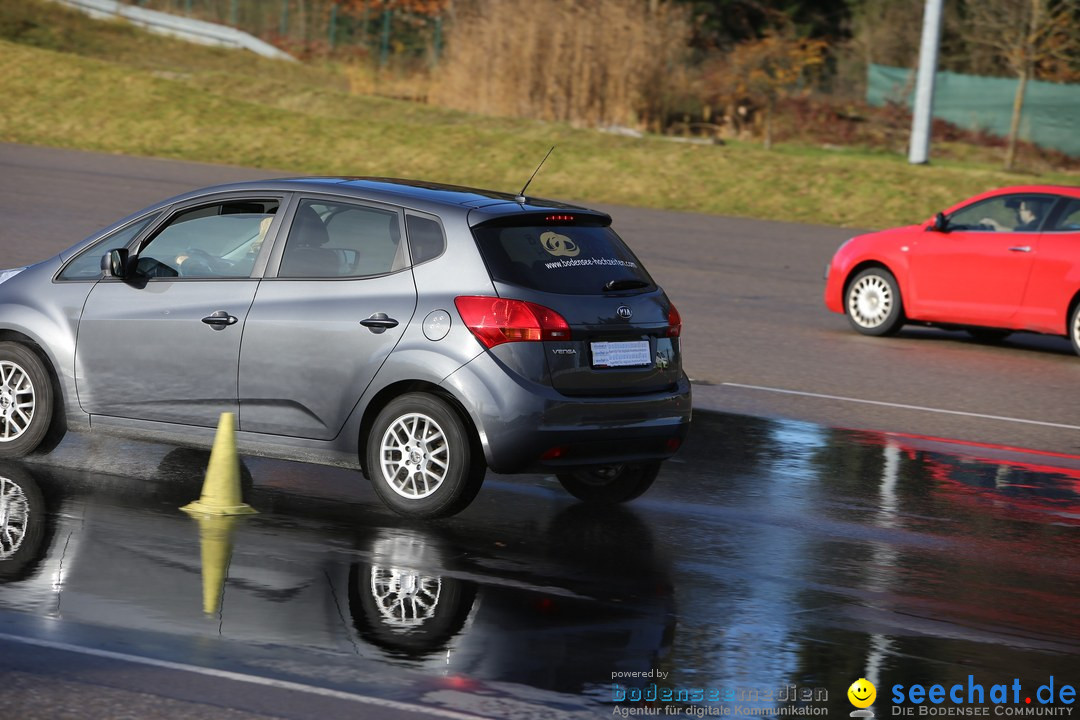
[[1069, 312], [402, 387]]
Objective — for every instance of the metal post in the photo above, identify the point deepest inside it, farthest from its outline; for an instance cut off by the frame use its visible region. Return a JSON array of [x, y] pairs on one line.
[[365, 37], [333, 24], [437, 43], [922, 112], [233, 13], [384, 43]]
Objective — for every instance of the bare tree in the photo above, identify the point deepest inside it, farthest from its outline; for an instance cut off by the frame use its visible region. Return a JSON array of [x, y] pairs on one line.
[[887, 32], [1030, 36]]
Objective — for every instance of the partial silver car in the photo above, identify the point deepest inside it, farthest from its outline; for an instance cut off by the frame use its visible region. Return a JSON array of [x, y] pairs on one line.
[[420, 332]]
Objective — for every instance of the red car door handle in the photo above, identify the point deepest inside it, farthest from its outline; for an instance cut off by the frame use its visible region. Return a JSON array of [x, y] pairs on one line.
[[1020, 248]]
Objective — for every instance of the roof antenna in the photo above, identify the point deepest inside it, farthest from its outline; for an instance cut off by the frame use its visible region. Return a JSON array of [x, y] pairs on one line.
[[521, 195]]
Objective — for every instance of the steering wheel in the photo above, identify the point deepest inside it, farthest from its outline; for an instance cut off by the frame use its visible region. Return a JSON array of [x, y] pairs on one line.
[[197, 263]]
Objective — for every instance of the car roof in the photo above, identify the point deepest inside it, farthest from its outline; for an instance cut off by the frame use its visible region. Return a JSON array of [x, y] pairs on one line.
[[417, 194], [1042, 189]]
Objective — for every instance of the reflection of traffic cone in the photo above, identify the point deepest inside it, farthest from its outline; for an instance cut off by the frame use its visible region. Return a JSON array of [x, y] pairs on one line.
[[215, 539], [221, 489]]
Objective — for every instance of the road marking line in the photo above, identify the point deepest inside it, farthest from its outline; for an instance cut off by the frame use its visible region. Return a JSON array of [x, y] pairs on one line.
[[240, 677], [903, 406]]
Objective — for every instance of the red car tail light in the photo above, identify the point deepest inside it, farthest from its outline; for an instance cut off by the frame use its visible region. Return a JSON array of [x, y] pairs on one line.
[[674, 321], [495, 320]]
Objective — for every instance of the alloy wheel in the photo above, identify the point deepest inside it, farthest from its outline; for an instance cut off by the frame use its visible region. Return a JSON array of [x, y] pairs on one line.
[[405, 598], [415, 456], [17, 401], [14, 517]]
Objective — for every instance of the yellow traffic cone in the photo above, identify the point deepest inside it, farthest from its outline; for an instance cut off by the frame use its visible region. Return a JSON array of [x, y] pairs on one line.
[[221, 489], [215, 541]]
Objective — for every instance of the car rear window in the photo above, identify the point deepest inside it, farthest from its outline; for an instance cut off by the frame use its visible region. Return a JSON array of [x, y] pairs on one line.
[[557, 258]]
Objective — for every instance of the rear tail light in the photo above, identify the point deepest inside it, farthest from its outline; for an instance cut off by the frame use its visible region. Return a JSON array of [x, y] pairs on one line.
[[553, 453], [495, 320], [674, 321]]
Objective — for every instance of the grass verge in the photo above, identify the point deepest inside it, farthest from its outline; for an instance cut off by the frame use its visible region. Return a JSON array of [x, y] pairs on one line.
[[70, 82]]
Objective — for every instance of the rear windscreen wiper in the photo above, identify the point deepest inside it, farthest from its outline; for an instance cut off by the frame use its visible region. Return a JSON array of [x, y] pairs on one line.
[[625, 284]]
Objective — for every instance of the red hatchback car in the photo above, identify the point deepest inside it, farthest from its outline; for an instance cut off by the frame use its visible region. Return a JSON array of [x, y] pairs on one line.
[[999, 262]]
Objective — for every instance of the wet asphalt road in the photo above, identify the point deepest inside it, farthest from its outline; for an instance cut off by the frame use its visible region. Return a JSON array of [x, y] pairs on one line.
[[770, 555], [757, 339]]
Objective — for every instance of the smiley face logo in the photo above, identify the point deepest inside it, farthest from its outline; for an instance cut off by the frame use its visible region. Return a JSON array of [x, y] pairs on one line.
[[557, 244], [862, 693]]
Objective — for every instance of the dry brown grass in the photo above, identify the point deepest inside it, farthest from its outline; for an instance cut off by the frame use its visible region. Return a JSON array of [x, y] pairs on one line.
[[587, 62]]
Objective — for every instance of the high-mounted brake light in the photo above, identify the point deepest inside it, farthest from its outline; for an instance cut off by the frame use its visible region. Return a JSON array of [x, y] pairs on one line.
[[559, 218], [495, 320], [674, 321]]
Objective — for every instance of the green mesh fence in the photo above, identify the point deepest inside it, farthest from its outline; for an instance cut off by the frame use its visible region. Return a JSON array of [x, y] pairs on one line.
[[1051, 116], [320, 26]]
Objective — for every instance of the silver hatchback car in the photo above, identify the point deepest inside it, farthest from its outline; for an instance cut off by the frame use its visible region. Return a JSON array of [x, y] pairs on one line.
[[422, 333]]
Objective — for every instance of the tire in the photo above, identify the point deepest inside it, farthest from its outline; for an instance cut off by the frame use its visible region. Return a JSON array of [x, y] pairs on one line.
[[23, 525], [610, 484], [988, 335], [873, 304], [420, 458], [408, 612], [26, 400], [1074, 329]]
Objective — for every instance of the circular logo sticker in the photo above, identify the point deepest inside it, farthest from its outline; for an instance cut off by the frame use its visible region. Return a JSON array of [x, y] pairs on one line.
[[557, 244]]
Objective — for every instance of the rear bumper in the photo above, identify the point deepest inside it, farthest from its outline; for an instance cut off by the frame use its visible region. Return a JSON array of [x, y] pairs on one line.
[[526, 426]]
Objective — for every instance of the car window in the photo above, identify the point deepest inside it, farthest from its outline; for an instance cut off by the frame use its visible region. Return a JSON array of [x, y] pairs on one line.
[[87, 266], [221, 240], [571, 259], [1006, 213], [426, 238], [1069, 219], [340, 239]]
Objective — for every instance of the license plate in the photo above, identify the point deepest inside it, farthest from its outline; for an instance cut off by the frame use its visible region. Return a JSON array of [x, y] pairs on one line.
[[635, 353]]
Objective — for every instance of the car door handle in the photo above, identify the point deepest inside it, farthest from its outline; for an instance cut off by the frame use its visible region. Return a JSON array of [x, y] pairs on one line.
[[1020, 248], [379, 322], [219, 320]]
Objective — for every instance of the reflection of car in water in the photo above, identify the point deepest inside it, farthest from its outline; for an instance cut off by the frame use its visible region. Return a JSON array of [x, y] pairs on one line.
[[22, 525], [1019, 489], [422, 598], [1012, 484], [441, 600], [399, 603]]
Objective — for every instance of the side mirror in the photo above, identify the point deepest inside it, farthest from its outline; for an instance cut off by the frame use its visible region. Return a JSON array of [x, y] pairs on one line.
[[115, 263], [939, 223]]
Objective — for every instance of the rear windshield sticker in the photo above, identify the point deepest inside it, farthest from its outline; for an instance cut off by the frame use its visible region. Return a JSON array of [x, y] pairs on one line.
[[590, 262], [559, 245]]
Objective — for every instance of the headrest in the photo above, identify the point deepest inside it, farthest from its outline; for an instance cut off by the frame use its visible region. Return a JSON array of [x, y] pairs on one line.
[[308, 229]]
